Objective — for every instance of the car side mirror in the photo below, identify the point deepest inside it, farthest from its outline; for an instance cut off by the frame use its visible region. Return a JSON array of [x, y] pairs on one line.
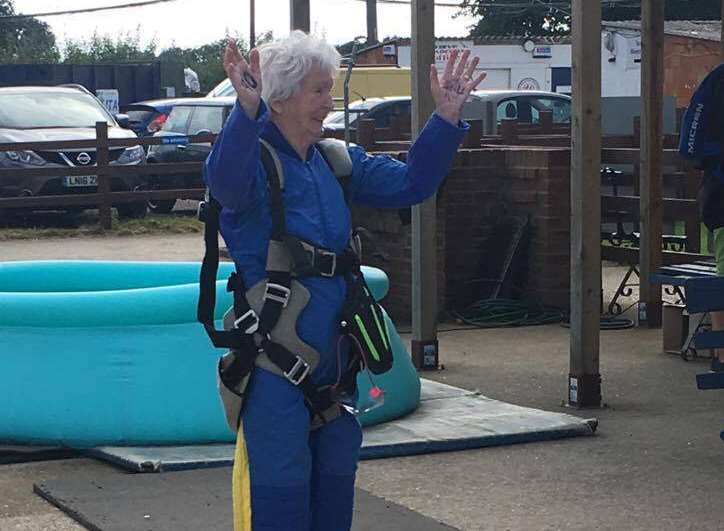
[[123, 120]]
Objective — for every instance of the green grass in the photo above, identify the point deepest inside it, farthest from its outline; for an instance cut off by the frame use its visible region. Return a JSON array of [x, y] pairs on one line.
[[59, 226]]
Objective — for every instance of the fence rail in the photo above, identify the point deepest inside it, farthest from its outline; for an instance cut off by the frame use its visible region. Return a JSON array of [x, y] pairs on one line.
[[104, 198]]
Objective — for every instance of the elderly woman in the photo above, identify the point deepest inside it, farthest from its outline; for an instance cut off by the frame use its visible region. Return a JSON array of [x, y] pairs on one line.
[[292, 472]]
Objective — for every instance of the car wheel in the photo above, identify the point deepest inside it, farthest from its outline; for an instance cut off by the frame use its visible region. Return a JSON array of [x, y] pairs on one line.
[[161, 206], [132, 210]]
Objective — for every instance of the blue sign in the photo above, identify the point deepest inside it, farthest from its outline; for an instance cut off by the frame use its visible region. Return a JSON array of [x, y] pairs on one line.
[[175, 140]]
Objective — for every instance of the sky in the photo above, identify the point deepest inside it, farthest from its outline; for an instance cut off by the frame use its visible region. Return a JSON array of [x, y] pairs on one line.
[[189, 23]]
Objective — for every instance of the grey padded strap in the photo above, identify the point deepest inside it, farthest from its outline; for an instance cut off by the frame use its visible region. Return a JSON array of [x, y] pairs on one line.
[[336, 154], [277, 162]]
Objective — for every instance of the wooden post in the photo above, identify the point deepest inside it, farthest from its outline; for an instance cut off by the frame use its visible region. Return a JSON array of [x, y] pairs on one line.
[[299, 15], [491, 124], [424, 223], [546, 122], [366, 133], [474, 134], [104, 183], [652, 106], [584, 380], [508, 131], [371, 21]]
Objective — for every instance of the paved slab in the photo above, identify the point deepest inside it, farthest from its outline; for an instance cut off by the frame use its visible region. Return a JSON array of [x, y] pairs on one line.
[[197, 499]]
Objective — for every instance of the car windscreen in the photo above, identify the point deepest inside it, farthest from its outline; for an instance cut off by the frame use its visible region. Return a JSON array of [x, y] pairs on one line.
[[35, 110], [178, 120], [337, 117], [225, 88]]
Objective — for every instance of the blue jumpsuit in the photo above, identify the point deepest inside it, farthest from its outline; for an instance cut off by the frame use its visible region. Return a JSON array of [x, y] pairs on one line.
[[285, 477]]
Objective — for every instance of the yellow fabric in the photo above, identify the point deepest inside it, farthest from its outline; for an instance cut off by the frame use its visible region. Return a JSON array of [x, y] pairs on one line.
[[241, 484]]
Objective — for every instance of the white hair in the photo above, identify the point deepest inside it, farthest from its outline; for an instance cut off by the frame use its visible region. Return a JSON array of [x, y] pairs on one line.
[[286, 62]]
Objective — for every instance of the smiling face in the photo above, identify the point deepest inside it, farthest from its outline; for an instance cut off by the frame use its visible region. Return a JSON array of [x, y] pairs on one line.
[[300, 117]]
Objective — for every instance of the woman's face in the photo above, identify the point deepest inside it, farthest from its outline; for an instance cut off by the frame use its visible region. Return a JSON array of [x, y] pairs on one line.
[[304, 112]]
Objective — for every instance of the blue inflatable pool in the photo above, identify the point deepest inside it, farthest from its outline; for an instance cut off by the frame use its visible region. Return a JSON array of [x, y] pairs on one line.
[[95, 353]]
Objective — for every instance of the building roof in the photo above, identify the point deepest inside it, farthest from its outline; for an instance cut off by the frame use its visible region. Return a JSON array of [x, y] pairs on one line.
[[498, 39], [708, 30]]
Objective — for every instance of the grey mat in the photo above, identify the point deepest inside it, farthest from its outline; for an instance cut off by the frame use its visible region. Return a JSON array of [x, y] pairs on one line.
[[448, 419], [196, 499]]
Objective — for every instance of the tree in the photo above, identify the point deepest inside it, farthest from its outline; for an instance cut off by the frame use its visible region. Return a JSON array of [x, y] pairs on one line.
[[25, 40], [125, 48], [552, 17], [206, 60]]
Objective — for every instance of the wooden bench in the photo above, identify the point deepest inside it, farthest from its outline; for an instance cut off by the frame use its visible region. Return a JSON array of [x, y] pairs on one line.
[[703, 295]]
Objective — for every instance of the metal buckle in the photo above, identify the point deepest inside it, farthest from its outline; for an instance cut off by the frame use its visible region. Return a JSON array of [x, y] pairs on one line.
[[291, 375], [282, 297], [324, 253], [202, 211], [251, 328]]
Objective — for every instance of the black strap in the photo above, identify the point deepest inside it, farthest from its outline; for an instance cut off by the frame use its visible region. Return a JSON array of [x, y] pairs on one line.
[[279, 224], [234, 339]]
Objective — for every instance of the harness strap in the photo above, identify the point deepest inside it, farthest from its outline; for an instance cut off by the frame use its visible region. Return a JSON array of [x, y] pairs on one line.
[[251, 332], [234, 338], [308, 259]]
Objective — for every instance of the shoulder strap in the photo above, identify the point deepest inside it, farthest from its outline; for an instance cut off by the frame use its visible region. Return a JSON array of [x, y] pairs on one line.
[[275, 179], [335, 154]]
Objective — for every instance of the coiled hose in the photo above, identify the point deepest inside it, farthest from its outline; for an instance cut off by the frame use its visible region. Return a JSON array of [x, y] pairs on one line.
[[498, 313]]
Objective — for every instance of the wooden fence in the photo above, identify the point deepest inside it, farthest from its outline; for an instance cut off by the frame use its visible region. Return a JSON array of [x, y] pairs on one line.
[[104, 198]]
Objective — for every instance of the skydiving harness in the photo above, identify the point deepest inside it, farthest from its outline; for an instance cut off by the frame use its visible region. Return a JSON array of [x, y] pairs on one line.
[[260, 329]]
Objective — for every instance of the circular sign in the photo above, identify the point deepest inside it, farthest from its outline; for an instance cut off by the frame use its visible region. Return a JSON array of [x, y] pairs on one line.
[[528, 83]]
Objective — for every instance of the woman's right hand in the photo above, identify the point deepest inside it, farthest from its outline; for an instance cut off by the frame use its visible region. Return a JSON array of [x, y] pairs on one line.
[[245, 77]]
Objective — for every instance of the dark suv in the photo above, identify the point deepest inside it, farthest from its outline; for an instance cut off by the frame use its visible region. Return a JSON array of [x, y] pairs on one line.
[[37, 114], [189, 116]]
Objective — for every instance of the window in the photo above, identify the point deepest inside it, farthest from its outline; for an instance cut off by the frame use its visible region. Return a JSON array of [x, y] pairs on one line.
[[561, 109], [384, 115], [33, 110], [507, 109], [177, 120], [206, 119]]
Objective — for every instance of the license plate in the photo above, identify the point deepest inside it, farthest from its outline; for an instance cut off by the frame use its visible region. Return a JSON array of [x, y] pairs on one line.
[[80, 180]]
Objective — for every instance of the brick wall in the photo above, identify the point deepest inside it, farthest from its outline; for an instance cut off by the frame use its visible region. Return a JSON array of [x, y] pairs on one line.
[[484, 187], [686, 64]]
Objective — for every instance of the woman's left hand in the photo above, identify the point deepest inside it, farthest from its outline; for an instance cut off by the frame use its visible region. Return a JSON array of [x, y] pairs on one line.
[[451, 92]]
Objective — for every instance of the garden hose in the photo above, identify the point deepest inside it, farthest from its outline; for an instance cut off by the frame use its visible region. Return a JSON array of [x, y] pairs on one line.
[[499, 313]]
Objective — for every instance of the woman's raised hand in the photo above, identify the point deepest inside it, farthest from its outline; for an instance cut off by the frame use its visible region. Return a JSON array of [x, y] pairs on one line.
[[244, 76], [452, 90]]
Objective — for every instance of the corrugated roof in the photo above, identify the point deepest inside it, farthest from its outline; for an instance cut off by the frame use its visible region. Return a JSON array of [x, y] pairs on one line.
[[708, 30]]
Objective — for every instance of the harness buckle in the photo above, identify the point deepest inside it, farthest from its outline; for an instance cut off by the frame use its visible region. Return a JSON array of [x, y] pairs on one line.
[[298, 372], [202, 211], [241, 322], [327, 255], [277, 293]]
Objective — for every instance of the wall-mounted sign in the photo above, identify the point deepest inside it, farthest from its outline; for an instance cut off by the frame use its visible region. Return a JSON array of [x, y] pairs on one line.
[[109, 98], [542, 51], [443, 50], [529, 83], [389, 49], [634, 52]]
